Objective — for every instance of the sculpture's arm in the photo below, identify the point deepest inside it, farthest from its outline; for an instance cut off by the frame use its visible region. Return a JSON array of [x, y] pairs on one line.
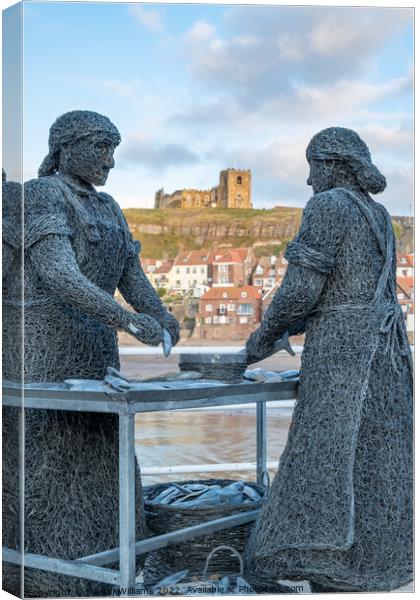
[[288, 310], [311, 258], [55, 262], [137, 290]]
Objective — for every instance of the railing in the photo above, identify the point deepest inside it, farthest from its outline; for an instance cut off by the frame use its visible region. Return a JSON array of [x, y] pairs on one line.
[[126, 405]]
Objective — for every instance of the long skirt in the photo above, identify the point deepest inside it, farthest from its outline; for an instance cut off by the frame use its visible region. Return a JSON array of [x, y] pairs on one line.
[[342, 516], [71, 496]]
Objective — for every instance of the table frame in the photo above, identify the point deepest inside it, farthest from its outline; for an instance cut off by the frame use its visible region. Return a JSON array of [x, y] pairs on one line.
[[127, 405]]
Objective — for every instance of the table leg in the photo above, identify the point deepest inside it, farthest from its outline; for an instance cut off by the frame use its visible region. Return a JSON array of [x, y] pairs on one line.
[[127, 504], [261, 441]]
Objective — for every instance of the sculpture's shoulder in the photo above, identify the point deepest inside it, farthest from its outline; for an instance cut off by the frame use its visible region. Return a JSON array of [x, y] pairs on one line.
[[335, 201], [11, 196], [328, 208], [44, 193]]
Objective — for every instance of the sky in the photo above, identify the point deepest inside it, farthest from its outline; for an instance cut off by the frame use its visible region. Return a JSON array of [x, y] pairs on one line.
[[195, 89]]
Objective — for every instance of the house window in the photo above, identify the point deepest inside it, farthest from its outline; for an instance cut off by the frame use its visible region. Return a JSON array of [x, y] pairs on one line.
[[243, 294], [177, 271], [231, 307], [231, 320], [208, 320], [243, 319], [216, 320], [194, 270], [239, 180], [222, 309], [400, 296], [224, 279], [187, 270], [245, 309], [405, 273], [224, 268], [258, 282], [177, 283], [202, 270], [403, 261], [209, 307], [225, 295]]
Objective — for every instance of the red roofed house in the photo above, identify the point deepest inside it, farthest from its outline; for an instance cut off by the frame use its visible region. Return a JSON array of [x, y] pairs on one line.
[[157, 271], [405, 295], [229, 312], [232, 267], [269, 271], [405, 265]]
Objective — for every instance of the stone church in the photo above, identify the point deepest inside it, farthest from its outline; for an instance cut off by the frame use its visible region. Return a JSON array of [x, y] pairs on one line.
[[233, 191]]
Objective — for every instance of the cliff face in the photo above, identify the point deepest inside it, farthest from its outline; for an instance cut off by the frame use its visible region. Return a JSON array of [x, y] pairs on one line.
[[166, 232]]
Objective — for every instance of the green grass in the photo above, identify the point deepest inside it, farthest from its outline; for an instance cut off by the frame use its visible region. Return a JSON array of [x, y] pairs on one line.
[[169, 243]]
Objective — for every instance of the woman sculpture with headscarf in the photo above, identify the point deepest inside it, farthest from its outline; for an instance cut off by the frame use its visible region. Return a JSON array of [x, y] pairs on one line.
[[78, 250], [339, 512]]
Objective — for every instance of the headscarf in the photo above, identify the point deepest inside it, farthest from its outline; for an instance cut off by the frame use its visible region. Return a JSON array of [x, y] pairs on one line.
[[70, 127], [339, 143]]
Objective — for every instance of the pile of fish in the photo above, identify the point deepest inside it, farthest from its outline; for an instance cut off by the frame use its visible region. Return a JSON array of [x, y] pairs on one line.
[[193, 495], [271, 376]]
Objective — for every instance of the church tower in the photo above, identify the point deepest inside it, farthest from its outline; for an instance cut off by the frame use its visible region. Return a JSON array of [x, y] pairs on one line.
[[235, 189]]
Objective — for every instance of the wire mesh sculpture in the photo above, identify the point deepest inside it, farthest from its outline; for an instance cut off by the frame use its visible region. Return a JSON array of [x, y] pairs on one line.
[[78, 250], [339, 512]]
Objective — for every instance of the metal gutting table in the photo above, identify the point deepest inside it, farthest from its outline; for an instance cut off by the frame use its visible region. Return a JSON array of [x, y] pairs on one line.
[[126, 404]]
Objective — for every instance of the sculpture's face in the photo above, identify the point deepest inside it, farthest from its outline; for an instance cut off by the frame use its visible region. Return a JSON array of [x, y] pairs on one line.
[[89, 159], [322, 176]]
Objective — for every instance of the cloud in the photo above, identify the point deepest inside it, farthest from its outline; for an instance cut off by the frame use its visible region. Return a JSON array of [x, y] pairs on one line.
[[154, 155], [389, 140], [286, 47], [148, 17], [200, 32], [344, 102]]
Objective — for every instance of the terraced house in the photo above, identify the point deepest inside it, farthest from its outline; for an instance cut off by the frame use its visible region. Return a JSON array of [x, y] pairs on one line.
[[229, 311], [191, 272]]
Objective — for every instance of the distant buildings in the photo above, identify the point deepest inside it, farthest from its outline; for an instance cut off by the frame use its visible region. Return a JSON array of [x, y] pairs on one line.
[[405, 289], [233, 267], [233, 288], [234, 311], [192, 272], [233, 191]]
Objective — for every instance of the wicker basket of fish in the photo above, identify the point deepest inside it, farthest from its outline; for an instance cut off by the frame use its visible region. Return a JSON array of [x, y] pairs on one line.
[[172, 506], [210, 584]]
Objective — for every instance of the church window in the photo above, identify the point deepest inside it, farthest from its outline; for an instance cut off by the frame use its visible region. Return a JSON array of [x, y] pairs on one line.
[[239, 180]]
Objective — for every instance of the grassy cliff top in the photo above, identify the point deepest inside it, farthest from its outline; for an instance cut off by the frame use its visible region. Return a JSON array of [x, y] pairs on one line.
[[165, 232]]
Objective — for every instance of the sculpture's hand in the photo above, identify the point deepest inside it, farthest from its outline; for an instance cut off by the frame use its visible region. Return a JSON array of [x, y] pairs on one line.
[[258, 345], [146, 329], [171, 324]]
